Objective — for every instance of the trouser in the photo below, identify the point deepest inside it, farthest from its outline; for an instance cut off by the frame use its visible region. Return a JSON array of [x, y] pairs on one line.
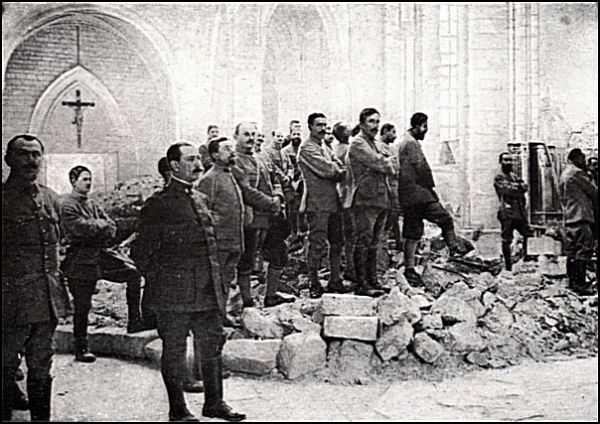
[[325, 235], [579, 249], [82, 291], [349, 242], [370, 224], [35, 341], [508, 226], [392, 226], [173, 329], [432, 212]]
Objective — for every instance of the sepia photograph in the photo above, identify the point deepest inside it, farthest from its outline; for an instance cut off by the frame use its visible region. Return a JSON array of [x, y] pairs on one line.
[[299, 211]]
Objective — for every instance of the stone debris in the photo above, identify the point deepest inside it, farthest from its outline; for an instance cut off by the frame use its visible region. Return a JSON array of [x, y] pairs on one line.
[[261, 325], [355, 328], [251, 356], [396, 305], [301, 354], [348, 305], [395, 339], [426, 348]]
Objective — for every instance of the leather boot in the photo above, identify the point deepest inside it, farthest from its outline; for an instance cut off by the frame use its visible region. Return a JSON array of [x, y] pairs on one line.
[[82, 352], [507, 253], [178, 410], [135, 323], [214, 405], [316, 289], [372, 278], [571, 273], [349, 269], [272, 298], [361, 267], [40, 396], [245, 291], [581, 286]]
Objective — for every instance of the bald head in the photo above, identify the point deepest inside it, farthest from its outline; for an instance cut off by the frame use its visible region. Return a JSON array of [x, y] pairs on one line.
[[245, 136]]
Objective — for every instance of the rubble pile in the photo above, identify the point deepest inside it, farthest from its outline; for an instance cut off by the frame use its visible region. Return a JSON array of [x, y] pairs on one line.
[[463, 318], [124, 202]]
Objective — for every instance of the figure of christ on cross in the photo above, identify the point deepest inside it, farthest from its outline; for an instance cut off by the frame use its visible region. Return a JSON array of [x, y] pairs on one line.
[[78, 106]]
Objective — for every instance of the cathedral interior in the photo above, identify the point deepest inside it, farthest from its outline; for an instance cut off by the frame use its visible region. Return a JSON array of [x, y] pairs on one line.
[[145, 75]]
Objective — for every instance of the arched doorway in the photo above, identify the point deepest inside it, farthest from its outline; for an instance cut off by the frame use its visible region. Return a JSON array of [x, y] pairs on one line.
[[113, 64], [296, 71]]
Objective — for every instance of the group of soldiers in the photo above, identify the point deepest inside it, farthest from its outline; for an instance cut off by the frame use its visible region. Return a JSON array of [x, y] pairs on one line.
[[226, 207]]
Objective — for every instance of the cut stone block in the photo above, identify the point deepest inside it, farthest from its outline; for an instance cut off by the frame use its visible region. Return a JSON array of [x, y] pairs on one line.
[[355, 328]]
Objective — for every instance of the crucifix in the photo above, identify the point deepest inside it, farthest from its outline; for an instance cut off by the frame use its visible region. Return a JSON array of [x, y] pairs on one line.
[[78, 106]]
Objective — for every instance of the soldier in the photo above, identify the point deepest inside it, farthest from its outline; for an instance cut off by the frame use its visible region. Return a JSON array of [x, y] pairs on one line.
[[295, 127], [227, 190], [297, 220], [388, 138], [321, 172], [512, 212], [342, 132], [329, 138], [177, 249], [212, 132], [33, 294], [578, 195], [89, 231], [371, 199], [418, 198], [263, 228]]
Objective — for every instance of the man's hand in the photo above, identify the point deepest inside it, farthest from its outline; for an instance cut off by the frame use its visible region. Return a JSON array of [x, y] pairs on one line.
[[276, 205]]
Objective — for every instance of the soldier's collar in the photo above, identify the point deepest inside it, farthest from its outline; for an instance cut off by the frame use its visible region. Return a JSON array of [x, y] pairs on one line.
[[179, 184], [22, 185]]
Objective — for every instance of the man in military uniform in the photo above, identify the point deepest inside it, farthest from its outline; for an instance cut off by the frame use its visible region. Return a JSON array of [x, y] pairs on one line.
[[33, 295], [177, 250], [371, 199], [512, 212], [260, 228], [578, 195], [387, 139], [212, 132], [418, 198], [89, 231], [321, 172]]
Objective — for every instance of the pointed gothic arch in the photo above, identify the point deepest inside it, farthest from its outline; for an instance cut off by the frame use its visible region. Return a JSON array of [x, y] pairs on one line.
[[76, 77]]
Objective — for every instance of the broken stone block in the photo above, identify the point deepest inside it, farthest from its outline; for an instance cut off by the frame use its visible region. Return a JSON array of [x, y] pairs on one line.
[[464, 337], [292, 321], [301, 354], [422, 301], [351, 357], [115, 341], [394, 340], [499, 319], [431, 321], [469, 295], [392, 307], [356, 328], [348, 305], [436, 280], [478, 358], [426, 348], [261, 325], [453, 309], [544, 245], [251, 356]]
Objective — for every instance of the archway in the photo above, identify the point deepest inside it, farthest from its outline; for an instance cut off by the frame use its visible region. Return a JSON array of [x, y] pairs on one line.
[[116, 64], [296, 71]]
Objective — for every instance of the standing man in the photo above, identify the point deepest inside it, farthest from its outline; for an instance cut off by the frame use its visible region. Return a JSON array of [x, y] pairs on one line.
[[342, 132], [593, 170], [418, 198], [295, 126], [578, 195], [388, 138], [371, 199], [33, 294], [258, 223], [89, 231], [512, 212], [297, 220], [329, 138], [177, 248], [321, 172], [211, 133]]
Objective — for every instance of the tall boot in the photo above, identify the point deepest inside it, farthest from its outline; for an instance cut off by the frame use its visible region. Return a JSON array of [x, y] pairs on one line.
[[178, 410], [245, 291], [361, 267], [336, 283], [507, 253], [372, 278], [272, 298], [40, 397], [316, 289], [581, 286], [214, 405], [572, 273], [135, 323], [349, 269]]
